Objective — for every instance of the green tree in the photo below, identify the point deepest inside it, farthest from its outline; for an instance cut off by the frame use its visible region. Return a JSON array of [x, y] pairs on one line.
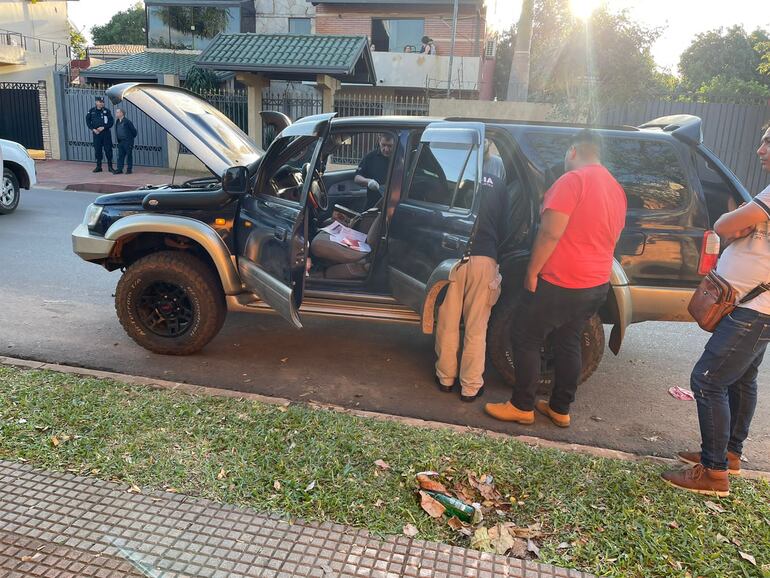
[[77, 43], [125, 27], [726, 89], [200, 80], [728, 54]]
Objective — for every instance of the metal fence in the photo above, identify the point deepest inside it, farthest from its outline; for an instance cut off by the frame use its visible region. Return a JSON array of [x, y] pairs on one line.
[[732, 131], [33, 44], [20, 118], [293, 104]]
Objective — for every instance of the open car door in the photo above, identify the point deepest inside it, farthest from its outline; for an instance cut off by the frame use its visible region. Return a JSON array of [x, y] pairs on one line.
[[273, 225], [433, 222]]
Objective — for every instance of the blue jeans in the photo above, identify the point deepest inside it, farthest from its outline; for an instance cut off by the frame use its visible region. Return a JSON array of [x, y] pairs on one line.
[[724, 382]]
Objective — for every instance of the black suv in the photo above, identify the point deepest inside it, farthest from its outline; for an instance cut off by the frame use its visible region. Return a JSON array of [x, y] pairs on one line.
[[249, 238]]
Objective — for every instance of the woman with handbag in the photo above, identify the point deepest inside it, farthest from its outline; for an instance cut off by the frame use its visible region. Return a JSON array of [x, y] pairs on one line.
[[724, 379]]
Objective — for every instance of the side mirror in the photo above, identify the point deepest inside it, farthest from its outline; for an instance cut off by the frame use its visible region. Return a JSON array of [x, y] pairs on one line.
[[235, 181]]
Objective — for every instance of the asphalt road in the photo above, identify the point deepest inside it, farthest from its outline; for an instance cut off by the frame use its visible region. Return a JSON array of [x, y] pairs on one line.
[[56, 308]]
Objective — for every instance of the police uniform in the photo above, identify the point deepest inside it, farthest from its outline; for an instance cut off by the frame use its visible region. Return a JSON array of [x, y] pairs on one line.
[[103, 141]]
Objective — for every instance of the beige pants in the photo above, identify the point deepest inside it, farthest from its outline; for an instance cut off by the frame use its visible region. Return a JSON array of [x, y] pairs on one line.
[[473, 290]]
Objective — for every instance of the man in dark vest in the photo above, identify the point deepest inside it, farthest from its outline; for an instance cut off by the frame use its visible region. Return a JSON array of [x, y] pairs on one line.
[[125, 133], [99, 120]]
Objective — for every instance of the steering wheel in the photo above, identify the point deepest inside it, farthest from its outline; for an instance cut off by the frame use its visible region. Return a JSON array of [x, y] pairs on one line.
[[318, 195]]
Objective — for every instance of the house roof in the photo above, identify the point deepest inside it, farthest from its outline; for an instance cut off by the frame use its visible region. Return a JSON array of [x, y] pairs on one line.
[[147, 65], [292, 56], [412, 3], [117, 48]]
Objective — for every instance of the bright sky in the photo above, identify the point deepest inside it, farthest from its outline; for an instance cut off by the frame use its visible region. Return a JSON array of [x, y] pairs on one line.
[[682, 19]]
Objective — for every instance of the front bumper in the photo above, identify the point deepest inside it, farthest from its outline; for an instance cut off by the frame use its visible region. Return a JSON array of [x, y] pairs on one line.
[[88, 246]]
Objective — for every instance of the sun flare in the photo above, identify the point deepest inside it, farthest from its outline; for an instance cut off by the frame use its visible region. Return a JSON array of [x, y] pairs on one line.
[[584, 8]]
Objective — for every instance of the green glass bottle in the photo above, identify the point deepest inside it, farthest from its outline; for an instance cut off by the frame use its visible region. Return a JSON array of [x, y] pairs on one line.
[[454, 507]]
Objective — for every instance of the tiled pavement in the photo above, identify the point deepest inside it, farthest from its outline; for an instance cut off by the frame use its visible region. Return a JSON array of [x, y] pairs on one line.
[[61, 525]]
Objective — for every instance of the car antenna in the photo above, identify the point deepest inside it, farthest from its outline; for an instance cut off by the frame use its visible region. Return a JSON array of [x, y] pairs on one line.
[[178, 152]]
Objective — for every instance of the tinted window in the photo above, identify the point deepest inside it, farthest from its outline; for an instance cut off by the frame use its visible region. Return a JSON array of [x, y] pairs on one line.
[[445, 175], [650, 171]]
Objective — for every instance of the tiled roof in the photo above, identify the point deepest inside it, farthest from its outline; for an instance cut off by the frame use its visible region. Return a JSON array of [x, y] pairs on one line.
[[296, 56], [147, 64], [117, 48]]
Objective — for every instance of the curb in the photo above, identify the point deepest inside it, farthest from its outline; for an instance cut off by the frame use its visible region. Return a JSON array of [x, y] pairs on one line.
[[416, 422]]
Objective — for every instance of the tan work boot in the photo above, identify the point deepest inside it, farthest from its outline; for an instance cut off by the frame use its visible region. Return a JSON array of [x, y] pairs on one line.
[[509, 412], [700, 480], [559, 419], [733, 461]]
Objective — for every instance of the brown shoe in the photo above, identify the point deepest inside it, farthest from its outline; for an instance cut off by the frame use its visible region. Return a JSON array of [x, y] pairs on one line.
[[509, 412], [559, 419], [700, 480], [733, 461]]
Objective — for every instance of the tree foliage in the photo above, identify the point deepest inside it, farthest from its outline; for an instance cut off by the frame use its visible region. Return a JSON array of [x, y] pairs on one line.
[[200, 80], [125, 27], [729, 54], [725, 89], [77, 43]]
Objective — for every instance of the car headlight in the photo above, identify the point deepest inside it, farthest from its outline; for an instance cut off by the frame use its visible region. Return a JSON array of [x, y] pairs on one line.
[[93, 212]]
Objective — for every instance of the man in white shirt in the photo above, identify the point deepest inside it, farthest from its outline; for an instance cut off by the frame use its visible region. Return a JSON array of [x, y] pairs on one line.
[[724, 379]]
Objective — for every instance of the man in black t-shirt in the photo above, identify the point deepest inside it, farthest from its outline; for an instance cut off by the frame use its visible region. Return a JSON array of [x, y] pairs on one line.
[[372, 172], [474, 287]]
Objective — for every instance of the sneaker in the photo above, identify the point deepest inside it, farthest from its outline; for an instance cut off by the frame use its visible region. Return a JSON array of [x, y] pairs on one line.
[[559, 419], [700, 480], [470, 398], [509, 412], [97, 170], [733, 461]]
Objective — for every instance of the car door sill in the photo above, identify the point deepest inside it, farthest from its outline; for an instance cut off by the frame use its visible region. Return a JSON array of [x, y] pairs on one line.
[[382, 308]]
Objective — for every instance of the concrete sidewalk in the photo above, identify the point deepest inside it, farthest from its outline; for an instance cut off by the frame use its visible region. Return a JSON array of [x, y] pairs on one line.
[[61, 525], [78, 176]]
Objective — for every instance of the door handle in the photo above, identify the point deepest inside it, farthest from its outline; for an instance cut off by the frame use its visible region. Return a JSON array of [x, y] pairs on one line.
[[280, 233], [450, 241]]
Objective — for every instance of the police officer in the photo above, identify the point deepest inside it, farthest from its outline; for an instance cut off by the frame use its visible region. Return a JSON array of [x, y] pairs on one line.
[[99, 120]]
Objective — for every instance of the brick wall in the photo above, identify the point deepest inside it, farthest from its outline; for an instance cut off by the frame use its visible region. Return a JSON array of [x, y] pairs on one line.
[[357, 20]]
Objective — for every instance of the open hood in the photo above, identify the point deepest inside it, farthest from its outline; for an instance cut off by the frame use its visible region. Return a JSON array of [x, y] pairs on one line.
[[207, 133]]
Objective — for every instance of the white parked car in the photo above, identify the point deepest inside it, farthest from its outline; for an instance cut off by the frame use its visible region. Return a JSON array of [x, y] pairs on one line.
[[18, 171]]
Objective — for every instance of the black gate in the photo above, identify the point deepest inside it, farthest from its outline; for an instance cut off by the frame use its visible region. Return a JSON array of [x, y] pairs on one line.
[[20, 114]]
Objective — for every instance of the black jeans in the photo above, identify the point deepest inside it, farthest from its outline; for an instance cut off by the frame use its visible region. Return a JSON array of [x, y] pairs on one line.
[[126, 154], [724, 382], [562, 314]]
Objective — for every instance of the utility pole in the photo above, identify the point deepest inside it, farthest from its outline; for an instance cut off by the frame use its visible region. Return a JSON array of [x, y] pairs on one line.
[[518, 81], [452, 51]]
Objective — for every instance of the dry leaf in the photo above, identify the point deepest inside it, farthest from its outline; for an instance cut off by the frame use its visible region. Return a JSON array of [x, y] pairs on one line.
[[455, 523], [722, 539], [673, 524], [481, 540], [277, 485], [715, 507], [383, 465], [748, 557], [134, 489], [55, 441], [310, 486], [519, 549], [501, 539], [222, 474], [563, 546], [409, 530], [30, 558], [532, 547], [431, 485], [434, 508], [283, 408]]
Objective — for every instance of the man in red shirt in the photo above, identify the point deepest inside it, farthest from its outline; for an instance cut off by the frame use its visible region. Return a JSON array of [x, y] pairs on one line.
[[567, 280]]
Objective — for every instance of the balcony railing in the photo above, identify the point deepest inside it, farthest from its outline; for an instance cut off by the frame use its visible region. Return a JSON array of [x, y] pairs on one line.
[[33, 44]]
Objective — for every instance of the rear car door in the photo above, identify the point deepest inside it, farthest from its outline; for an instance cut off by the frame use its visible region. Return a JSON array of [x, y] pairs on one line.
[[273, 225], [433, 222]]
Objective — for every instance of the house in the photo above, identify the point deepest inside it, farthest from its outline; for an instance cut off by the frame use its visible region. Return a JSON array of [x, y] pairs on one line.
[[395, 29], [34, 42]]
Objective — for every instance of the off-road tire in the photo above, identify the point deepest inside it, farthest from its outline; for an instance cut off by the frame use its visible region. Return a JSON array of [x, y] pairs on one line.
[[9, 206], [500, 351], [185, 271]]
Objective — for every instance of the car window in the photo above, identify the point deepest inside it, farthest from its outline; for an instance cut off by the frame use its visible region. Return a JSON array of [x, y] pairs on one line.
[[287, 167], [347, 150], [445, 175], [649, 171]]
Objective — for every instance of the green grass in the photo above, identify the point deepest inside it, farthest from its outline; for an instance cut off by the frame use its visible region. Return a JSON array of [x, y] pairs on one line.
[[618, 517]]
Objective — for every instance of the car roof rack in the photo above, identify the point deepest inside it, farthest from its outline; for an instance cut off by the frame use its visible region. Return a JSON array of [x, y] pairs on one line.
[[623, 127], [683, 127]]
